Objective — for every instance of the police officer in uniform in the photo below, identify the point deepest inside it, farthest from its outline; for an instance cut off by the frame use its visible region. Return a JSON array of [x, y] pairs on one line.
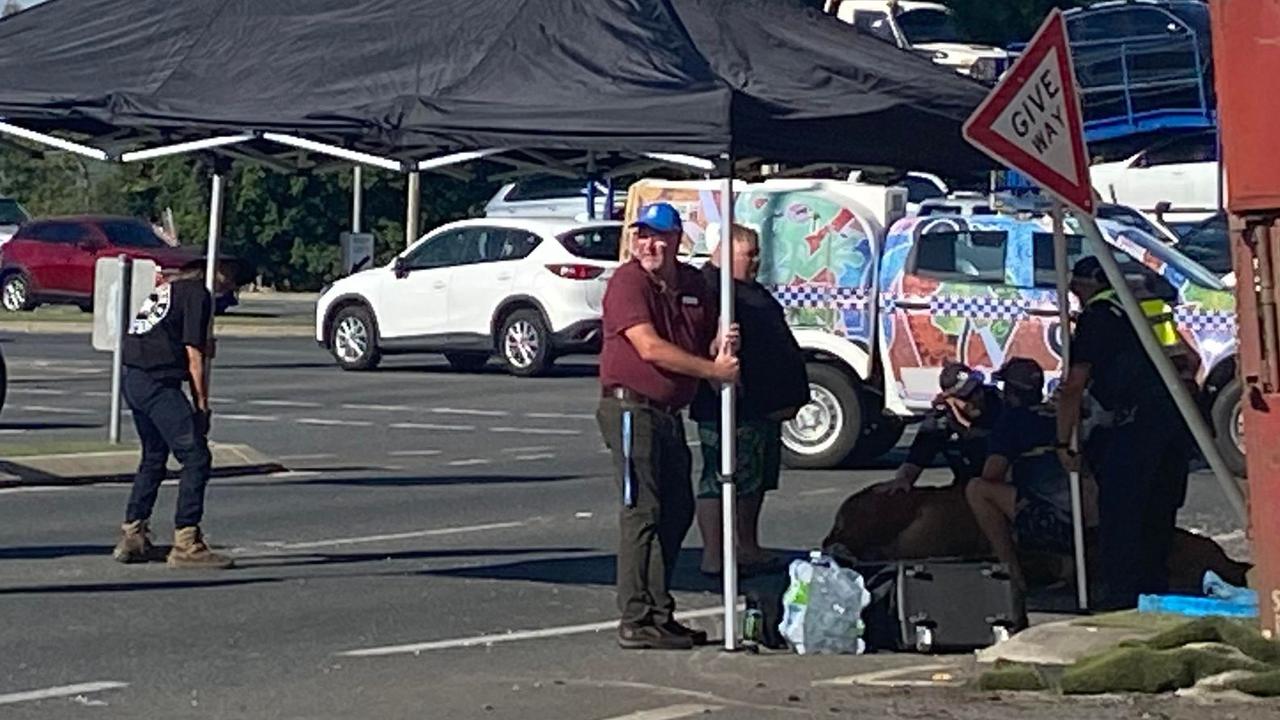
[[1141, 463], [659, 341]]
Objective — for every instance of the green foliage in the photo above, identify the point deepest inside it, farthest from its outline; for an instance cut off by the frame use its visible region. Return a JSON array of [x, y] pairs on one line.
[[283, 226], [1003, 22]]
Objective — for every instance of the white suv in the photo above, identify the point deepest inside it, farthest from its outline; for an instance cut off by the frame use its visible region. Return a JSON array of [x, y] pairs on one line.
[[528, 290]]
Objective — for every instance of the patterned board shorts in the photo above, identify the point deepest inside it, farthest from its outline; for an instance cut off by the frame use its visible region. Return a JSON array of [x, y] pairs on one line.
[[1041, 526], [759, 458]]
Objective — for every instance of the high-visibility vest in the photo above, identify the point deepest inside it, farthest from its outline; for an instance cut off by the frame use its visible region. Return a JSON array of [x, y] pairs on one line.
[[1161, 320]]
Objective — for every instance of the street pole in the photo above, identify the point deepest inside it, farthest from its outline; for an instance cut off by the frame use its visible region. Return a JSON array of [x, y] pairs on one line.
[[728, 423], [123, 320], [1064, 332], [413, 208], [1182, 398], [357, 197]]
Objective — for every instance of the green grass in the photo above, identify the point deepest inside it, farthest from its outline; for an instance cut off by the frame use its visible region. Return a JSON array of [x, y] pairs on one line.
[[11, 450]]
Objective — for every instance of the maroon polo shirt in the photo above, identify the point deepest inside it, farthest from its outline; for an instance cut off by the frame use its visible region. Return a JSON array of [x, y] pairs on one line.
[[683, 316]]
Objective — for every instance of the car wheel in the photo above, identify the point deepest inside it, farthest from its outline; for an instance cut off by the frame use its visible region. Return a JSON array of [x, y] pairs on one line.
[[353, 339], [525, 343], [15, 293], [1228, 426], [467, 361], [4, 381], [826, 430]]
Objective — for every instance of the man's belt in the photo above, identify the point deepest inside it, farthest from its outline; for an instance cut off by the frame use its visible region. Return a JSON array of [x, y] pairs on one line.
[[628, 395]]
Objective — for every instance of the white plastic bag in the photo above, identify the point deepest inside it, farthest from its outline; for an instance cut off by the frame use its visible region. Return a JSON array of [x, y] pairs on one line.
[[822, 610]]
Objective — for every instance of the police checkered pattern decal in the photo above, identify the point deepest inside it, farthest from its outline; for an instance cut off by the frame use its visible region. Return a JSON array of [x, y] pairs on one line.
[[1197, 319], [819, 296], [983, 307]]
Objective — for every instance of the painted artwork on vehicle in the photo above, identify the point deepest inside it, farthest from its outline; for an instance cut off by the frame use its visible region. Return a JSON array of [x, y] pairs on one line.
[[983, 289], [817, 250]]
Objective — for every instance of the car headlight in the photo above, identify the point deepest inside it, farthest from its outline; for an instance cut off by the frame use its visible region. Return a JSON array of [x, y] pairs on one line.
[[985, 69]]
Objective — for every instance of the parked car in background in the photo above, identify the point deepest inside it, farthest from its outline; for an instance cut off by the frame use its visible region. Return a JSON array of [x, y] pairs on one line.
[[1125, 215], [552, 197], [526, 289], [12, 215], [927, 28], [1207, 243], [958, 203], [51, 260], [1182, 171]]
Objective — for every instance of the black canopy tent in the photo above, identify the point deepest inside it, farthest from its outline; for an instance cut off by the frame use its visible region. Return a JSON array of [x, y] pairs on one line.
[[415, 85]]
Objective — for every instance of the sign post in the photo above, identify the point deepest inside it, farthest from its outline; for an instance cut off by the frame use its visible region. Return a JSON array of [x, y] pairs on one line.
[[1031, 122], [120, 286]]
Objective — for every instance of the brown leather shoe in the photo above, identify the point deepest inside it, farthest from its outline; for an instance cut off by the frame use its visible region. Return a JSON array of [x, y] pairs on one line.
[[135, 543], [651, 637], [190, 551]]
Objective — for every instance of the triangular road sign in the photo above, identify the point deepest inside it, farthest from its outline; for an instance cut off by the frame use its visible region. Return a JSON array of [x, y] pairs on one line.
[[1031, 120]]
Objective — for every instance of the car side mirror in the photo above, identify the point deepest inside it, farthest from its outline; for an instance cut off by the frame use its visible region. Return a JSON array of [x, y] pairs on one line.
[[91, 245], [400, 267]]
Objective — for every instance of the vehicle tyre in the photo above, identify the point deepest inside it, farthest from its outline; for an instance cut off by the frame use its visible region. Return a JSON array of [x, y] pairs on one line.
[[86, 307], [15, 293], [826, 430], [879, 436], [4, 382], [1228, 425], [353, 339], [525, 343], [467, 361]]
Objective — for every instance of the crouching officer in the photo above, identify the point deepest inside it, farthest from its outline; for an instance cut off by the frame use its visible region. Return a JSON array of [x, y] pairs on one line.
[[1141, 464], [659, 329], [169, 344]]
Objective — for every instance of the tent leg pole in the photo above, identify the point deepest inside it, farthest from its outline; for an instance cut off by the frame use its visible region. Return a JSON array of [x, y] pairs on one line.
[[357, 198], [218, 187], [413, 208], [1181, 397], [728, 424], [1064, 331]]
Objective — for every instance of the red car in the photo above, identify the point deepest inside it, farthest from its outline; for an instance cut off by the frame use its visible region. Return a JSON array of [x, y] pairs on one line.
[[52, 260]]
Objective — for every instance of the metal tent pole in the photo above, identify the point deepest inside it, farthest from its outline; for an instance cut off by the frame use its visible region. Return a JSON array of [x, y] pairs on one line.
[[1064, 324], [216, 202], [413, 208], [728, 423], [1186, 404], [357, 197]]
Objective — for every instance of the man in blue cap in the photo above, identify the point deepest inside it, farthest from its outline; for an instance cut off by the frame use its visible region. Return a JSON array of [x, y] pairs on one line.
[[659, 341]]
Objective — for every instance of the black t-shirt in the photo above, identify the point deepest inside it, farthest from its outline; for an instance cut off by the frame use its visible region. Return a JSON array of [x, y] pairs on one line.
[[1121, 375], [175, 316], [963, 448], [772, 364]]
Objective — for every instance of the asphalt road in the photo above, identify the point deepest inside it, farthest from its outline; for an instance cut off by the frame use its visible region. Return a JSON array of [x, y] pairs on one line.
[[428, 515]]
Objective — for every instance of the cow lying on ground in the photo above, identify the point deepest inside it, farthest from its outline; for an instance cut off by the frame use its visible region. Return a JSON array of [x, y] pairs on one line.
[[937, 523]]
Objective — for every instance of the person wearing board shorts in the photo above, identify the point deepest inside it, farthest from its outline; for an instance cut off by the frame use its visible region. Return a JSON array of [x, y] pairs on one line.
[[659, 341]]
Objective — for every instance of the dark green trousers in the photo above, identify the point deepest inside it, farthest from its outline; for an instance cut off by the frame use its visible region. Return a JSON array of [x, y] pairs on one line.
[[652, 531]]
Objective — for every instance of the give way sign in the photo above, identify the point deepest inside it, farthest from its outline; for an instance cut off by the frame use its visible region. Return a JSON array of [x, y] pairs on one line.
[[1031, 120]]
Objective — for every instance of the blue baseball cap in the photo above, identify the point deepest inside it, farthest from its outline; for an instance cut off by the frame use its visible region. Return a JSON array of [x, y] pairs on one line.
[[660, 217]]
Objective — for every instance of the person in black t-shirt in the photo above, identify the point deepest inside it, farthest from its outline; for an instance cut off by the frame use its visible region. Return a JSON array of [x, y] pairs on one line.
[[168, 344], [1141, 463], [772, 388], [957, 427]]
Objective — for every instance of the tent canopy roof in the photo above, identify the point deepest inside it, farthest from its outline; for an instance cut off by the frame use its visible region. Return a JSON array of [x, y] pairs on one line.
[[762, 79]]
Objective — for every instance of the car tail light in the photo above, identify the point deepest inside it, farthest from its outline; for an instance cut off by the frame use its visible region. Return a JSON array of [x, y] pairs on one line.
[[577, 272]]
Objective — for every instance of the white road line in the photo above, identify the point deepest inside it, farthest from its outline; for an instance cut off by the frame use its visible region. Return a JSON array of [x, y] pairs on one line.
[[432, 426], [60, 691], [821, 491], [337, 542], [285, 403], [670, 712], [222, 401], [57, 410], [377, 408], [530, 449], [12, 431], [559, 416], [329, 422], [316, 456], [36, 391], [535, 431], [470, 461], [249, 418], [466, 411], [495, 638], [34, 489], [96, 394], [413, 453], [537, 456]]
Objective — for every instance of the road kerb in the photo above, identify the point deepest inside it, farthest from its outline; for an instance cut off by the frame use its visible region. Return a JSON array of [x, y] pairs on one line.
[[83, 468]]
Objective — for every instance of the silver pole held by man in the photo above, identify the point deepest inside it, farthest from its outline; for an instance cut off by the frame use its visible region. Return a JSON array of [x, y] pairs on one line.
[[728, 423]]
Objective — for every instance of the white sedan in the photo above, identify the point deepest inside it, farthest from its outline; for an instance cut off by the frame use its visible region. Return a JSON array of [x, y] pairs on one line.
[[527, 290], [1181, 171]]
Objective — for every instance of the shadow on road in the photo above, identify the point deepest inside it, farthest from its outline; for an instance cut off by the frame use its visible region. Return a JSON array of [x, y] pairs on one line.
[[276, 366], [565, 370], [305, 559], [115, 587], [48, 425], [50, 552]]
